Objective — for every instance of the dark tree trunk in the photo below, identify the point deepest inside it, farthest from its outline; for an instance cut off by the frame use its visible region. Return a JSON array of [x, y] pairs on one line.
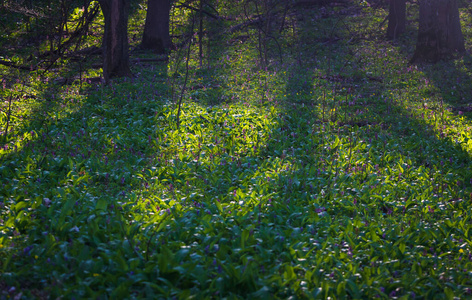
[[396, 18], [156, 28], [115, 40], [439, 33]]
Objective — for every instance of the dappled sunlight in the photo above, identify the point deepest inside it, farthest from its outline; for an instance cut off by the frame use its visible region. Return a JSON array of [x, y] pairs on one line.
[[314, 163], [205, 156]]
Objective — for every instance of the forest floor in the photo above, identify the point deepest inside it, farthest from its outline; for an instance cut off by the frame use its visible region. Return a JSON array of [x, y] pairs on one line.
[[315, 162]]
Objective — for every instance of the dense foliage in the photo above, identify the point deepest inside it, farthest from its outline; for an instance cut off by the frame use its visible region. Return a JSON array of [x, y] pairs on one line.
[[314, 163]]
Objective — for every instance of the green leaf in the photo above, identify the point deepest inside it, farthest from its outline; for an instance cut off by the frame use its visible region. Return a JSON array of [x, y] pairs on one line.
[[289, 274], [218, 205], [402, 247], [102, 204], [449, 293]]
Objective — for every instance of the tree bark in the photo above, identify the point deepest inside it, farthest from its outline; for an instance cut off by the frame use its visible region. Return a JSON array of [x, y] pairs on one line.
[[396, 19], [156, 28], [115, 40], [439, 33]]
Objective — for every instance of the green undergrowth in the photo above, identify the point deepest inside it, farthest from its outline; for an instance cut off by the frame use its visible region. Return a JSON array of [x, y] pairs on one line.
[[345, 174]]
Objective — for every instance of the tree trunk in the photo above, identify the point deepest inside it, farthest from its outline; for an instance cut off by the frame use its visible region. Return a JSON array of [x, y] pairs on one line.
[[396, 19], [439, 33], [115, 40], [156, 28]]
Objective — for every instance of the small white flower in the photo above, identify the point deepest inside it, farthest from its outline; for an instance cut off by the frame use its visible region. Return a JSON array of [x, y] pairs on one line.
[[47, 202]]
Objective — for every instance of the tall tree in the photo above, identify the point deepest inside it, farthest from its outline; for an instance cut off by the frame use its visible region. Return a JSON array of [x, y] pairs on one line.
[[115, 40], [439, 33], [396, 18], [156, 28]]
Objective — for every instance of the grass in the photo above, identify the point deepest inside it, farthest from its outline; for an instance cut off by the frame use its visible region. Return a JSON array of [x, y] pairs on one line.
[[340, 171]]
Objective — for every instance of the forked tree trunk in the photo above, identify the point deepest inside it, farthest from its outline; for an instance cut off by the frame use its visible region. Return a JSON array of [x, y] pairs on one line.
[[115, 40], [396, 19], [439, 33], [156, 28]]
